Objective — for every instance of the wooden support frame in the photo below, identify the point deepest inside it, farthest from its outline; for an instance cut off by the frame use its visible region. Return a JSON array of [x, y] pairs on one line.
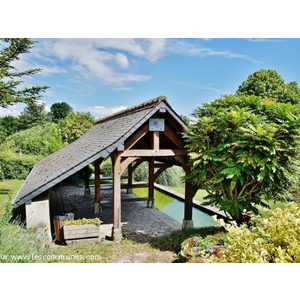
[[116, 165], [162, 168], [153, 153], [136, 136], [151, 183], [97, 208], [172, 136]]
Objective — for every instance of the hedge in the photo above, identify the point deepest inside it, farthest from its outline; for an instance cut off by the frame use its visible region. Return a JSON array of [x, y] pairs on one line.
[[15, 167]]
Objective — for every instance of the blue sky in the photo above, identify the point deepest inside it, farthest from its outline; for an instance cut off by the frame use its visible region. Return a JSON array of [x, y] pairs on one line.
[[105, 75]]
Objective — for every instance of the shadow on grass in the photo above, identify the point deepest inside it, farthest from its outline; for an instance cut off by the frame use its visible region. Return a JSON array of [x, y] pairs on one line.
[[173, 241]]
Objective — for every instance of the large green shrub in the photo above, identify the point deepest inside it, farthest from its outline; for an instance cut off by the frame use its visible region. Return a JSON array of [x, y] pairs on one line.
[[38, 140], [275, 239], [13, 166], [244, 150]]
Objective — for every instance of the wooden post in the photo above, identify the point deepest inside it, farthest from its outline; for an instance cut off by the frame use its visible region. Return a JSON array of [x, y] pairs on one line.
[[87, 190], [130, 177], [116, 165], [190, 191], [97, 208], [151, 183]]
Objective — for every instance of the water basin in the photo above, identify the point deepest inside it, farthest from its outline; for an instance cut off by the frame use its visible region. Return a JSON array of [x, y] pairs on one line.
[[175, 209]]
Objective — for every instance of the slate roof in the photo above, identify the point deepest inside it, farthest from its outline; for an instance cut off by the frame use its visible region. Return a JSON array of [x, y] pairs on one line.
[[99, 141]]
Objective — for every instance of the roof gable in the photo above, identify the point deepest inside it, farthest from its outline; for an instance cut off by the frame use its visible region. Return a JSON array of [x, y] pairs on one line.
[[101, 140]]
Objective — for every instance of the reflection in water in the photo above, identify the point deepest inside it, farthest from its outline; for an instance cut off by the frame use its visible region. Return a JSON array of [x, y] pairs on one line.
[[175, 208]]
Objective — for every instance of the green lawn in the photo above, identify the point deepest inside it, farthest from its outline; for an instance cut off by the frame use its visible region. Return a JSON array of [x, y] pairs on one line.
[[8, 190], [199, 195]]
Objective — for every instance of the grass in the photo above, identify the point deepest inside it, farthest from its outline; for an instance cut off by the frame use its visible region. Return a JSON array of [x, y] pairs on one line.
[[8, 190], [20, 242], [181, 190]]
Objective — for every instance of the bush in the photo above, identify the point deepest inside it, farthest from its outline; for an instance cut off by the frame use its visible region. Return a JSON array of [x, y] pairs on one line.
[[171, 177], [39, 140], [274, 239], [13, 166]]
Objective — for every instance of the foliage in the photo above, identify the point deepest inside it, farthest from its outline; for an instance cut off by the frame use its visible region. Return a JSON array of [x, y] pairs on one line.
[[186, 119], [75, 125], [60, 110], [13, 166], [271, 240], [33, 114], [173, 241], [39, 140], [171, 177], [106, 168], [17, 244], [269, 84], [244, 149], [10, 77], [83, 221], [8, 126]]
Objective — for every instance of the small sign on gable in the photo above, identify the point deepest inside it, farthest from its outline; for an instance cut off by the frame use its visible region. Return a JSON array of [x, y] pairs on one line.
[[156, 124]]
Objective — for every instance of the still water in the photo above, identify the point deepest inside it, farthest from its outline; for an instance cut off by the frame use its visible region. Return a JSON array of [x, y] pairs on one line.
[[175, 209]]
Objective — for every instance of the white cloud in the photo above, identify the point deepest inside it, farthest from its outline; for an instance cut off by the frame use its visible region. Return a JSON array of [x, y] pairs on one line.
[[14, 110], [186, 48], [262, 40], [122, 60], [25, 63], [101, 111], [91, 58], [123, 88]]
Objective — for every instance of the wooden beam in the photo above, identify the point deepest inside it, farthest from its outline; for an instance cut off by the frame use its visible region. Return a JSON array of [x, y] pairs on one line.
[[155, 140], [153, 153], [161, 170], [130, 177], [137, 163], [126, 162], [151, 182], [134, 138], [116, 164], [184, 162], [97, 185], [174, 137]]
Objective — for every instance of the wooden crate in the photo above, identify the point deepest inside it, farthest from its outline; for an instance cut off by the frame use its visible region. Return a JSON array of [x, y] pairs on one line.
[[72, 232]]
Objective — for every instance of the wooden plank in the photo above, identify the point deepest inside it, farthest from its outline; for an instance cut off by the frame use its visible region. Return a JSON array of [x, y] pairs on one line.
[[153, 153], [81, 231]]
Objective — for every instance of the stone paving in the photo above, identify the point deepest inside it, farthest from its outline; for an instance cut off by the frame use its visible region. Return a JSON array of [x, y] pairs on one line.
[[139, 223]]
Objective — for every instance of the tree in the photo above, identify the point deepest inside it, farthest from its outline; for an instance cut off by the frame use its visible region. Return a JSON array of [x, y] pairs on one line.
[[60, 110], [244, 150], [32, 115], [75, 125], [269, 84], [10, 78], [8, 126]]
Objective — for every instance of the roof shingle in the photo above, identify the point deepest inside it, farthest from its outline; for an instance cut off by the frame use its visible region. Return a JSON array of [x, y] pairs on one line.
[[99, 141]]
